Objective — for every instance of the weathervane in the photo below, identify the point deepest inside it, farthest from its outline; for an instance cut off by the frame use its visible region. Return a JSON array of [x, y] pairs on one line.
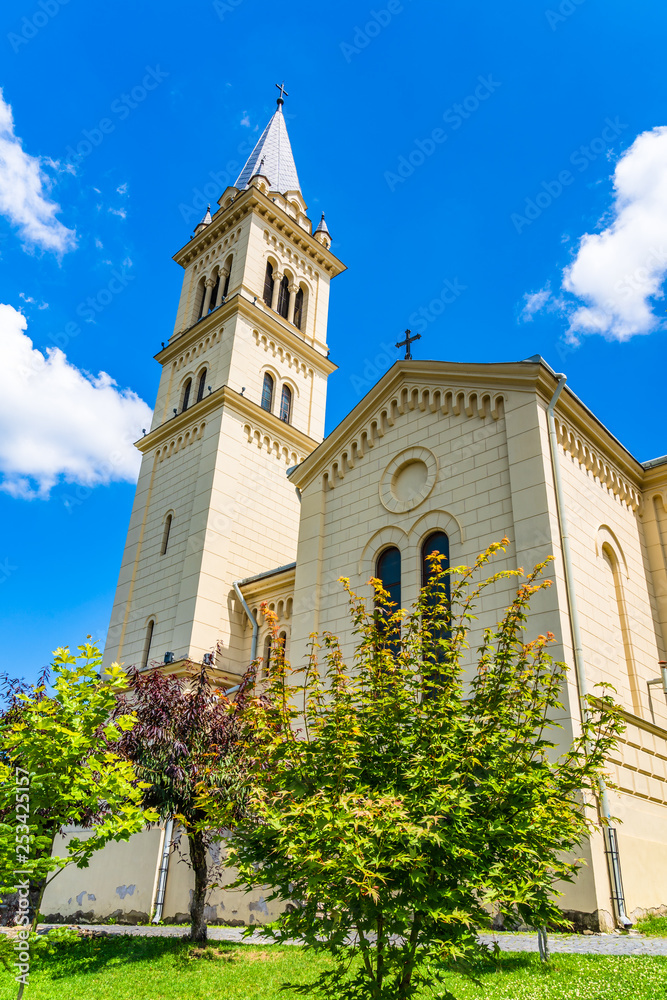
[[407, 342], [283, 92]]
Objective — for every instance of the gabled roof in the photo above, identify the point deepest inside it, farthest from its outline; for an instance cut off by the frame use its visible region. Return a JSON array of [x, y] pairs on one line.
[[272, 157]]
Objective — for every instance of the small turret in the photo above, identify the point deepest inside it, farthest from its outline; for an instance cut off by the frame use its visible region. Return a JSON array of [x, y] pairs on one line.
[[322, 234], [206, 221]]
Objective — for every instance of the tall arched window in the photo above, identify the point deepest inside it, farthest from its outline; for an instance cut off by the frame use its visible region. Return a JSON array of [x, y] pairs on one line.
[[388, 570], [201, 385], [283, 297], [286, 404], [187, 388], [165, 535], [228, 268], [147, 643], [298, 309], [213, 301], [439, 627], [268, 284], [201, 295], [267, 392]]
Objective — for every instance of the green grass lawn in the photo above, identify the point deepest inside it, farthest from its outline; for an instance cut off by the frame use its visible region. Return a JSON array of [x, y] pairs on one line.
[[125, 968], [653, 926]]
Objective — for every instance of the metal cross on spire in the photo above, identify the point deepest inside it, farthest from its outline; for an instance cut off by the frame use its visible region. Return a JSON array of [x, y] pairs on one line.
[[407, 343], [283, 92]]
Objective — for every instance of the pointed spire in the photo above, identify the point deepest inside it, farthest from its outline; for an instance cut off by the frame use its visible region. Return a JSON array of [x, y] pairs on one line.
[[206, 221], [272, 156], [322, 233]]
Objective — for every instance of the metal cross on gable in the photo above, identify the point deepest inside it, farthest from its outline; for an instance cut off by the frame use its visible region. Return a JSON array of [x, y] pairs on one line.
[[407, 343], [283, 92]]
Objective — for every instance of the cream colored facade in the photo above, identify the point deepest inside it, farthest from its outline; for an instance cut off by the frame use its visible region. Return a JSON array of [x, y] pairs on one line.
[[270, 505]]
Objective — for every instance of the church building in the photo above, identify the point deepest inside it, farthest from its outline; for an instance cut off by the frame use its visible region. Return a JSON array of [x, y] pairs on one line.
[[241, 499]]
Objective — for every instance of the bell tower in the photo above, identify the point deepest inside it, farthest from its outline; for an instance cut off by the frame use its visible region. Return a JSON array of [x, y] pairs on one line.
[[241, 399]]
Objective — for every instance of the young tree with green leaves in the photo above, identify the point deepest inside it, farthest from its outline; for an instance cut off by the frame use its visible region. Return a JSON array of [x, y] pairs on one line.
[[58, 769], [188, 738], [395, 802]]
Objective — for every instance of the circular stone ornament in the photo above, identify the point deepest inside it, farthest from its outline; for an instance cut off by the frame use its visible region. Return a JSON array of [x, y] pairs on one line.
[[408, 479]]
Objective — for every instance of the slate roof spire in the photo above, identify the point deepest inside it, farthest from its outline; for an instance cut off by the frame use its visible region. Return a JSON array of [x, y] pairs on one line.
[[272, 156]]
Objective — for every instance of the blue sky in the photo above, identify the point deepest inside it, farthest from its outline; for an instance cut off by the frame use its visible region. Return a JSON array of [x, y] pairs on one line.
[[461, 152]]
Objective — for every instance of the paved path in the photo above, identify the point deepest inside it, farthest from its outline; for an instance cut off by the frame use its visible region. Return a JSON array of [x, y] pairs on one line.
[[580, 944]]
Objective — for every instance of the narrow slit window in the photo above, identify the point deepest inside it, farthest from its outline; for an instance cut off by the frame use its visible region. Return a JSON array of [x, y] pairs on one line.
[[167, 531], [214, 293], [148, 643]]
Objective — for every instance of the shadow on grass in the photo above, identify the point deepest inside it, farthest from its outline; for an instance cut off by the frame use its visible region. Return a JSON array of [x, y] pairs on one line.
[[92, 955]]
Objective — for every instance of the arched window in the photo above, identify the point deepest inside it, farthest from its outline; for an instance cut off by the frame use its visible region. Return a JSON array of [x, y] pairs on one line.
[[268, 284], [267, 392], [286, 404], [201, 385], [228, 268], [201, 295], [147, 643], [187, 388], [436, 542], [283, 297], [388, 570], [298, 309], [439, 628], [213, 301], [267, 654], [165, 535]]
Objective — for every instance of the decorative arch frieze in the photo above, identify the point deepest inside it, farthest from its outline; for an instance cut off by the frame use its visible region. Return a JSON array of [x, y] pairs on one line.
[[282, 354], [197, 349], [271, 445], [180, 441], [600, 468], [447, 402]]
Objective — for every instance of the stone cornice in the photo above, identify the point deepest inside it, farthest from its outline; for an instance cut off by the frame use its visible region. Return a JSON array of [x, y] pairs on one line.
[[256, 315], [253, 200], [268, 586], [193, 417]]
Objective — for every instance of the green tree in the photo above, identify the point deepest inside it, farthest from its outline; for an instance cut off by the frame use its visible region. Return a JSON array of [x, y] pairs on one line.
[[58, 768], [394, 803]]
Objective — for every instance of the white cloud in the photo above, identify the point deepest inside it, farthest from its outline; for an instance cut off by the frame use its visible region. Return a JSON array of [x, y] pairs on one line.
[[119, 211], [245, 121], [612, 285], [99, 244], [23, 192], [58, 423], [534, 302], [122, 188]]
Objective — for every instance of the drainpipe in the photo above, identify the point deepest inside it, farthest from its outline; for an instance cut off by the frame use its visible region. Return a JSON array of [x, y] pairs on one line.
[[164, 870], [609, 832], [251, 617]]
